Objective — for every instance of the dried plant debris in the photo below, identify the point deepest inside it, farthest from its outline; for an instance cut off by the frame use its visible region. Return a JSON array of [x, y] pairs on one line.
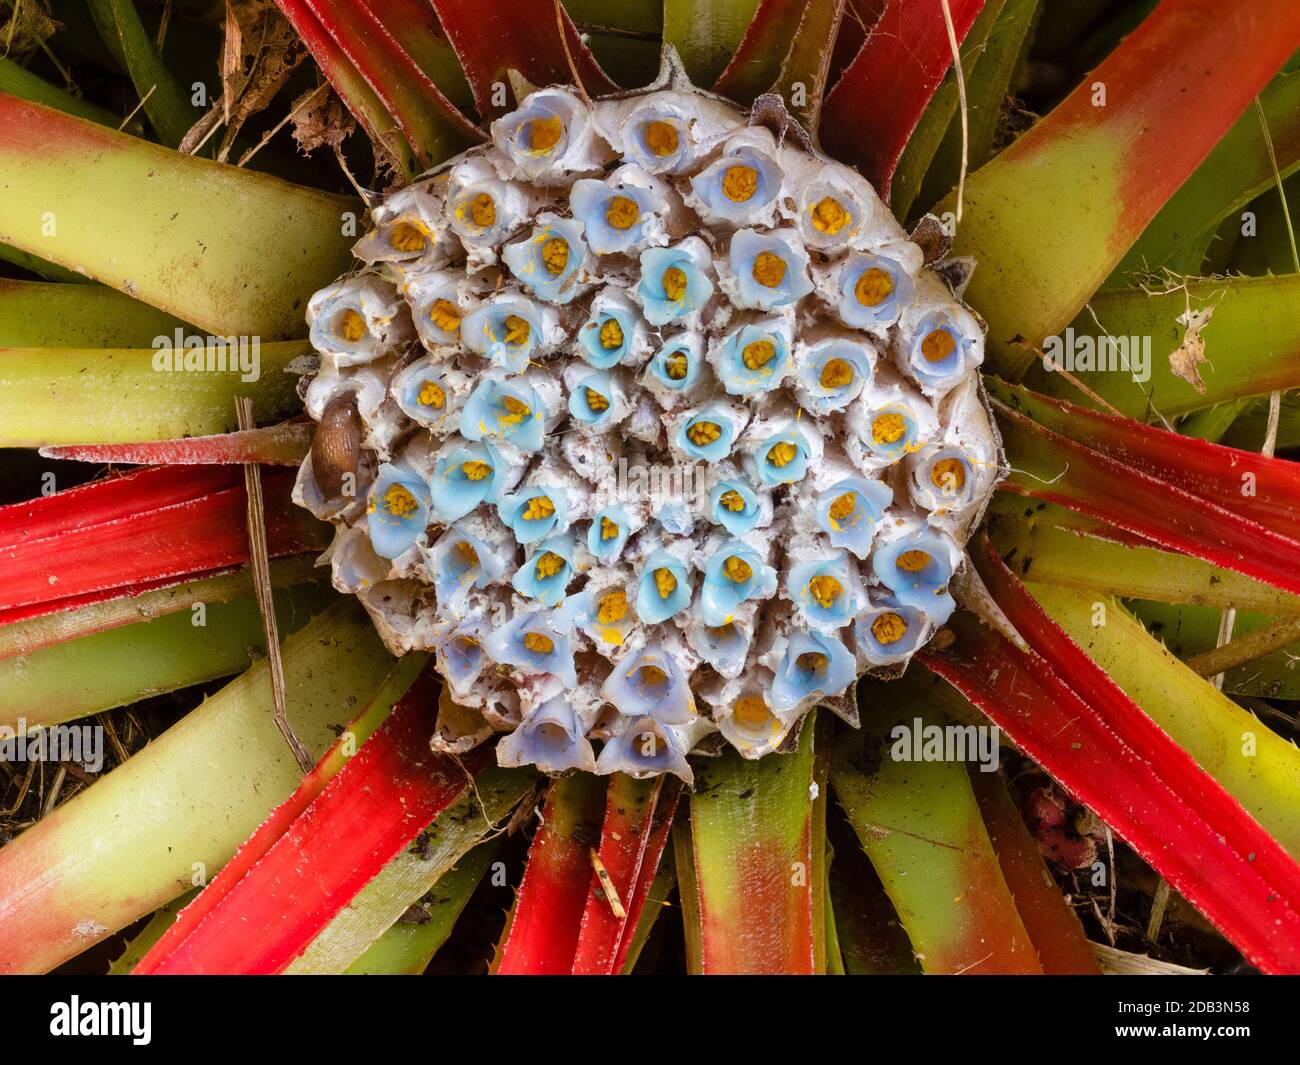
[[663, 428]]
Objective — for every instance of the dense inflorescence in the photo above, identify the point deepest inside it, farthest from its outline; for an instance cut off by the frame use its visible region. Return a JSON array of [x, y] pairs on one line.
[[650, 422]]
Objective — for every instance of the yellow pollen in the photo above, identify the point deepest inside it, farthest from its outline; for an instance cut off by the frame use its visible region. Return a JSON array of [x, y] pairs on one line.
[[888, 429], [350, 326], [611, 334], [889, 628], [675, 365], [825, 590], [948, 474], [535, 641], [701, 434], [812, 661], [737, 569], [829, 215], [750, 712], [432, 395], [843, 506], [782, 453], [517, 330], [555, 255], [549, 565], [652, 676], [674, 282], [665, 582], [612, 608], [622, 212], [661, 137], [873, 287], [769, 269], [544, 134], [445, 315], [399, 502], [937, 345], [596, 401], [608, 529], [739, 183], [482, 210], [732, 500], [539, 507], [406, 237], [757, 354], [836, 373], [467, 553], [913, 561], [516, 411], [475, 470]]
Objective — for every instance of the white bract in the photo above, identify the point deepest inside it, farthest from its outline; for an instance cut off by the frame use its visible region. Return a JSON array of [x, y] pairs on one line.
[[665, 429]]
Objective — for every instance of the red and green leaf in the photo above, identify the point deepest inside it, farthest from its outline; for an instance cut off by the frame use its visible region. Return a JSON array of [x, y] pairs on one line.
[[285, 444]]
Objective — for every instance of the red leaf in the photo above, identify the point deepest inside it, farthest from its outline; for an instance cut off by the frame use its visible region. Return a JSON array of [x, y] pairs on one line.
[[1065, 713], [871, 112], [542, 936], [278, 898], [285, 444], [1088, 481], [754, 67], [638, 815], [143, 530], [492, 37], [1210, 471]]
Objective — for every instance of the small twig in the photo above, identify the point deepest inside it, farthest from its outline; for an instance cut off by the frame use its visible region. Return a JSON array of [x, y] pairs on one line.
[[136, 109], [1158, 904], [261, 567], [1229, 653], [961, 96], [607, 886], [568, 56], [243, 159], [163, 25]]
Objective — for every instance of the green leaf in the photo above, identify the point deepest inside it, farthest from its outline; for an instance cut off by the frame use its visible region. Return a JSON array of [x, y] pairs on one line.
[[706, 33], [35, 314], [232, 251], [18, 81]]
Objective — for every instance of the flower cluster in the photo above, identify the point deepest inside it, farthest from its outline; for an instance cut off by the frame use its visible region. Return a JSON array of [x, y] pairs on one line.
[[653, 281]]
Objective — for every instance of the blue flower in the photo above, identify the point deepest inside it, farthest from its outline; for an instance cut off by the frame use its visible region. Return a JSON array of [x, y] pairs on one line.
[[650, 684], [603, 613], [734, 574], [707, 435], [535, 512], [893, 430], [398, 511], [724, 647], [849, 511], [540, 135], [592, 402], [435, 307], [607, 335], [548, 261], [830, 214], [615, 213], [833, 372], [890, 632], [734, 505], [422, 391], [532, 642], [677, 365], [943, 479], [663, 588], [738, 186], [644, 749], [608, 532], [546, 572], [675, 517], [482, 211], [938, 351], [827, 590], [658, 138], [874, 289], [459, 653], [917, 567], [505, 409], [550, 738], [769, 271], [464, 477], [673, 284], [782, 458], [814, 666], [459, 561], [507, 331], [754, 358]]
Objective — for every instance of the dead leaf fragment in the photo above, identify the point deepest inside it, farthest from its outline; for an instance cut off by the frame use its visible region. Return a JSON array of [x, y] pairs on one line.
[[1185, 360]]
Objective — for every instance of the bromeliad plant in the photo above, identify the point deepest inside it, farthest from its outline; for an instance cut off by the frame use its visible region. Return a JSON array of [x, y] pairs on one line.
[[572, 265]]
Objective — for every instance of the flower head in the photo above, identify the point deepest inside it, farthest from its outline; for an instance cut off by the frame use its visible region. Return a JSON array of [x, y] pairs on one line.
[[507, 330], [620, 213], [398, 510], [464, 475], [768, 270], [549, 261], [734, 573], [873, 290], [674, 285], [754, 358], [663, 587], [739, 188], [815, 665], [507, 409]]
